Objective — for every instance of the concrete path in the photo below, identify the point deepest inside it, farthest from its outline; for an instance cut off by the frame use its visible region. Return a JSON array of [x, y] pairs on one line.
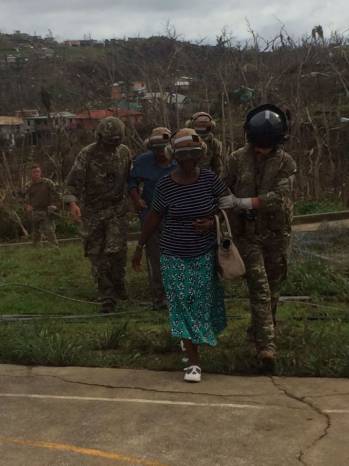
[[82, 416]]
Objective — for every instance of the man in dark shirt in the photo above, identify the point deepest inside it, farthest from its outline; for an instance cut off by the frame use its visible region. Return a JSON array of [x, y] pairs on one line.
[[41, 202], [147, 170]]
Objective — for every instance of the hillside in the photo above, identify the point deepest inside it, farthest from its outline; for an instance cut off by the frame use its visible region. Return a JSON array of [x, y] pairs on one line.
[[310, 78]]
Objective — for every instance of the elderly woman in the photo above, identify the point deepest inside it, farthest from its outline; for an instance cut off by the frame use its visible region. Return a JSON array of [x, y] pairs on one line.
[[186, 199]]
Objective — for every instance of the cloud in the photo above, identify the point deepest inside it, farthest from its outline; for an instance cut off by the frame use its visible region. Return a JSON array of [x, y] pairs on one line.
[[193, 20]]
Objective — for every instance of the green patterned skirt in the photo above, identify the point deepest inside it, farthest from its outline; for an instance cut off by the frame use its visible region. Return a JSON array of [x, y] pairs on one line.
[[195, 297]]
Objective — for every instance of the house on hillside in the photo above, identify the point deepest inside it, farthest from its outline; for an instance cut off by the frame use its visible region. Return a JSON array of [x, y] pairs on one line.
[[62, 120], [172, 99], [11, 59], [89, 119], [72, 43], [183, 82], [130, 116], [38, 128], [121, 89], [11, 129], [138, 86], [116, 91], [46, 52]]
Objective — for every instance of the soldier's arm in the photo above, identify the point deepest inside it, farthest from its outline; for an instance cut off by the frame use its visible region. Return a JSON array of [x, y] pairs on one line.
[[282, 189], [75, 182], [231, 171], [218, 158], [271, 200]]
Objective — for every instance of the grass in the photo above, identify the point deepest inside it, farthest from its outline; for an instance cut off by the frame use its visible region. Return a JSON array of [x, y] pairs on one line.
[[311, 341], [318, 207]]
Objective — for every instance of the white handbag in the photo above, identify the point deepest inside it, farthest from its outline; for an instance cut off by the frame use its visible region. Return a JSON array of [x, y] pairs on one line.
[[229, 262]]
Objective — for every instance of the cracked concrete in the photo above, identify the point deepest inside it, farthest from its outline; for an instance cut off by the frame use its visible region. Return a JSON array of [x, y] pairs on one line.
[[85, 416], [323, 431]]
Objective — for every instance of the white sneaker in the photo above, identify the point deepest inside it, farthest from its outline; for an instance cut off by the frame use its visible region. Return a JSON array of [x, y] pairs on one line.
[[192, 374]]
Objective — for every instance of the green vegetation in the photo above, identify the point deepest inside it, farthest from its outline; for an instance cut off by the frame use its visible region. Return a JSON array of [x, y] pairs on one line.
[[318, 207], [312, 341]]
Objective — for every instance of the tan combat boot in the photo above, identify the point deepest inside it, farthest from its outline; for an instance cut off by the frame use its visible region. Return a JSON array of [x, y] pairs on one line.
[[267, 358]]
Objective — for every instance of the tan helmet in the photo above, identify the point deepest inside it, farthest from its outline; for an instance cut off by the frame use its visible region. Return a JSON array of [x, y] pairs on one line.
[[110, 129], [186, 139], [202, 122], [159, 138]]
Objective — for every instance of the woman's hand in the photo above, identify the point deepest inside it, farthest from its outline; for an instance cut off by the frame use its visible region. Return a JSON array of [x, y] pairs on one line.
[[140, 205], [203, 225], [75, 212], [137, 259]]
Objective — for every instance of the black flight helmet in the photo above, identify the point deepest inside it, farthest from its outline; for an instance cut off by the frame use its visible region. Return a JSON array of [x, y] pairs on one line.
[[266, 126]]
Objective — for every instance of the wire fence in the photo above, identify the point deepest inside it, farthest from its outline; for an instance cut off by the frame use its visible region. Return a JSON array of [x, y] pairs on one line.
[[326, 244]]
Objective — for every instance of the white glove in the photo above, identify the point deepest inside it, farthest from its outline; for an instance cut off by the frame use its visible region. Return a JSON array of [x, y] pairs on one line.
[[231, 202]]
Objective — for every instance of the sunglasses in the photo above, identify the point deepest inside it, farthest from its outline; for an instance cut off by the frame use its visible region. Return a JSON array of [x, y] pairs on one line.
[[188, 154]]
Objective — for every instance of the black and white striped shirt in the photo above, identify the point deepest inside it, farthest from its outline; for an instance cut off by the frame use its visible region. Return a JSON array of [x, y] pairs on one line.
[[181, 205]]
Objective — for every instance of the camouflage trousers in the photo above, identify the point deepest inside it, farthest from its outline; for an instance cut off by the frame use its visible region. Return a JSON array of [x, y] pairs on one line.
[[105, 244], [266, 269], [43, 224]]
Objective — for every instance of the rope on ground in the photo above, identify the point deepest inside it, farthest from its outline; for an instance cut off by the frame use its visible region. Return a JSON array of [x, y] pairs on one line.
[[43, 290], [28, 317], [320, 256]]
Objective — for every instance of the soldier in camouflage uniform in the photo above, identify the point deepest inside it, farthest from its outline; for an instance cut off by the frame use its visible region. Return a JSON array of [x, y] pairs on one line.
[[260, 176], [98, 182], [41, 200], [204, 125]]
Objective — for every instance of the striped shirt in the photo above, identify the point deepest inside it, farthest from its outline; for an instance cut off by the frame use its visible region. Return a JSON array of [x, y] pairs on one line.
[[181, 205]]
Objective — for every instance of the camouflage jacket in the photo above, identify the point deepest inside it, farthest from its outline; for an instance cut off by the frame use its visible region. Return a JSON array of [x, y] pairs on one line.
[[41, 194], [270, 178], [98, 179], [214, 159]]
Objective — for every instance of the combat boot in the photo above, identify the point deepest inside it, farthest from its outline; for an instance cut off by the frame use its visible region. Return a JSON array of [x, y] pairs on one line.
[[120, 292], [267, 359]]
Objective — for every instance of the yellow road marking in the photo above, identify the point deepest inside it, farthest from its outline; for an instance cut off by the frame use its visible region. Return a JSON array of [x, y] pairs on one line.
[[81, 451]]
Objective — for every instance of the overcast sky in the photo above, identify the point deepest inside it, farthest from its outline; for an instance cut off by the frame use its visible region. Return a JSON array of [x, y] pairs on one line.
[[193, 19]]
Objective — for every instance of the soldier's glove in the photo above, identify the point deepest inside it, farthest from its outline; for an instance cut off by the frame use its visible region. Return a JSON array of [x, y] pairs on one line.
[[231, 202]]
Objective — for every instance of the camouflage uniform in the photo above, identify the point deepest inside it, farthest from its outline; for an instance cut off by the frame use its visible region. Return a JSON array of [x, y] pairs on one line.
[[98, 180], [263, 235], [214, 158], [40, 195]]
